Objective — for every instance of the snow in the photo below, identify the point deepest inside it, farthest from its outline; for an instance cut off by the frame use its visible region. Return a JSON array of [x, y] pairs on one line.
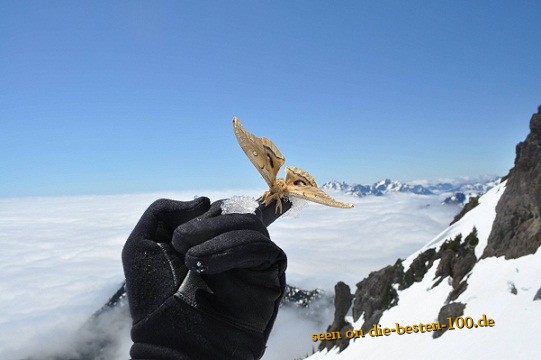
[[516, 316], [60, 258], [482, 217]]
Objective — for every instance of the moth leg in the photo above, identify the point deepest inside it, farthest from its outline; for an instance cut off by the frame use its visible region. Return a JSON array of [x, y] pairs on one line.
[[269, 197], [278, 204], [266, 198]]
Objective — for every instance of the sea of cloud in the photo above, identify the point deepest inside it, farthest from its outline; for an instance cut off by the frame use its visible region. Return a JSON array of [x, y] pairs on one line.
[[60, 260]]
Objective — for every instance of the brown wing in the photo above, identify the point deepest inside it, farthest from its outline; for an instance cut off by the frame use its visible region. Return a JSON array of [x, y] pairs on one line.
[[261, 151], [301, 184]]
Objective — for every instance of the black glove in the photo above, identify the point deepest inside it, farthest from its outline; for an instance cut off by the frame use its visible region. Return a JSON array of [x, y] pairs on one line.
[[202, 285]]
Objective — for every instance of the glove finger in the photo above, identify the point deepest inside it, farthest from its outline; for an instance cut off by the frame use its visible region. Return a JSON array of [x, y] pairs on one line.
[[237, 249], [267, 213], [209, 226], [163, 216]]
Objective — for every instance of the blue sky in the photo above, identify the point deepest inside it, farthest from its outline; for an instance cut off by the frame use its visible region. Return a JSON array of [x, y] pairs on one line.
[[122, 97]]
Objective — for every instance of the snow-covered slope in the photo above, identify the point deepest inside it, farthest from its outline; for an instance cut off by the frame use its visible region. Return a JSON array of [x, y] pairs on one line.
[[503, 290]]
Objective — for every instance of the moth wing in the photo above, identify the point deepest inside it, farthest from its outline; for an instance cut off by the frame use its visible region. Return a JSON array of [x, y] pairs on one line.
[[301, 184], [261, 151], [297, 176]]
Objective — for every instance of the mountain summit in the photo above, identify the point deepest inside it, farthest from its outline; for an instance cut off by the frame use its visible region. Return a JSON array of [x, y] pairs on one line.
[[517, 228]]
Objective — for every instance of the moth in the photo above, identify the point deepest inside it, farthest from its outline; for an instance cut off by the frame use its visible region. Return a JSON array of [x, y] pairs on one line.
[[268, 160]]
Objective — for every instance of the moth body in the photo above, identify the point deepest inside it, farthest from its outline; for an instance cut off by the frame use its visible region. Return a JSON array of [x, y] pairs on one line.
[[276, 192]]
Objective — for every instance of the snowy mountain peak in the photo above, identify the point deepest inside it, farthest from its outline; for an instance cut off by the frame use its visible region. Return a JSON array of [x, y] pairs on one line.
[[457, 191]]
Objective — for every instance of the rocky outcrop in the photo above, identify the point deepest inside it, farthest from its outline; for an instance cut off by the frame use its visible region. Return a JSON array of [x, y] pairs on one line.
[[445, 266], [517, 227], [457, 259], [342, 304], [418, 268], [464, 262], [451, 310], [376, 293]]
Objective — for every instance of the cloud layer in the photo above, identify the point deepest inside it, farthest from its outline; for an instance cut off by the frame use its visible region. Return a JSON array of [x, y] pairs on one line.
[[61, 255]]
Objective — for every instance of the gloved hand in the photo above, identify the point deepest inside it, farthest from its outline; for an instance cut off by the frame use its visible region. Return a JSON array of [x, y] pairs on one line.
[[200, 284]]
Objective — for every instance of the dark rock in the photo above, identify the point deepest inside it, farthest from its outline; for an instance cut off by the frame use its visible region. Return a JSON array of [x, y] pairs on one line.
[[457, 290], [517, 227], [512, 288], [456, 198], [457, 259], [119, 298], [450, 310], [445, 266], [303, 298], [344, 342], [537, 295], [463, 264], [474, 201], [342, 304], [376, 294], [315, 305], [341, 343], [418, 268]]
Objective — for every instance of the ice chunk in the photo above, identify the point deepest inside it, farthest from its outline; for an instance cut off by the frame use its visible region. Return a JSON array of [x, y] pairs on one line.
[[239, 205]]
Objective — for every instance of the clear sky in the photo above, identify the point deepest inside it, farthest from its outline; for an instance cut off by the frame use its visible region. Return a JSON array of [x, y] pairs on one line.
[[104, 97]]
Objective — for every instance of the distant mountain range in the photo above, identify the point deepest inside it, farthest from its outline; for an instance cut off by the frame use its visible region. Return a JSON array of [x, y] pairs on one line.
[[458, 191]]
